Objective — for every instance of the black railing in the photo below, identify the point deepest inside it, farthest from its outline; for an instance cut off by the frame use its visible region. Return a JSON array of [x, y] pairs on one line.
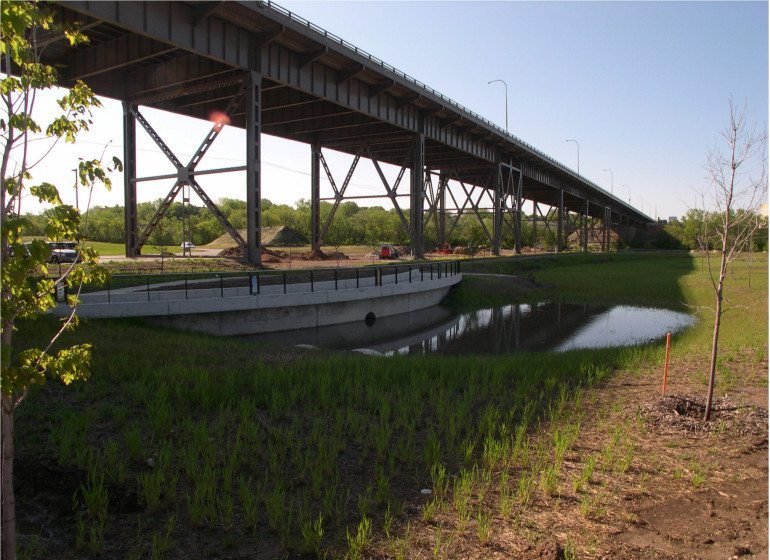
[[256, 282]]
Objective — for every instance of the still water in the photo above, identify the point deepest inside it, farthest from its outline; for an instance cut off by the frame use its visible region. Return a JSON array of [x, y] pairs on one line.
[[545, 326]]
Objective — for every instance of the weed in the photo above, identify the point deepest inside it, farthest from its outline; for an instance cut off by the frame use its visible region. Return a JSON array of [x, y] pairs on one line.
[[357, 543], [549, 480], [162, 542], [429, 510], [132, 436], [483, 527], [312, 531], [151, 488]]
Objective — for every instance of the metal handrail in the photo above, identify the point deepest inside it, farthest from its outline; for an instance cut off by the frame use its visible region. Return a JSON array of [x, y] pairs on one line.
[[143, 284], [371, 58]]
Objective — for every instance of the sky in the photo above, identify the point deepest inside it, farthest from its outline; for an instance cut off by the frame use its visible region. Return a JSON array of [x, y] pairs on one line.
[[642, 86]]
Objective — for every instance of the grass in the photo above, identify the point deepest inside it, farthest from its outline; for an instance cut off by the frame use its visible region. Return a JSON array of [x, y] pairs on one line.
[[324, 453]]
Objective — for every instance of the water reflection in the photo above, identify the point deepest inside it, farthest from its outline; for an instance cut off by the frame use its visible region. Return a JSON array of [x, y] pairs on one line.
[[509, 328]]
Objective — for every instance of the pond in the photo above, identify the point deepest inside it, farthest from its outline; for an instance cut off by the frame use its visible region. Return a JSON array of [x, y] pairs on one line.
[[546, 326]]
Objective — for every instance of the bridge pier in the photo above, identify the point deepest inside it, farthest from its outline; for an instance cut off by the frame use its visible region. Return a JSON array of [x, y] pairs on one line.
[[584, 233], [497, 206], [417, 196], [443, 179], [560, 222], [254, 168], [129, 181], [517, 215], [315, 197]]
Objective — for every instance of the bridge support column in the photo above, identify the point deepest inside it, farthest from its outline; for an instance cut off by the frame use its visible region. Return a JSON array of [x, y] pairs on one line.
[[417, 196], [315, 197], [129, 181], [254, 168], [497, 217], [606, 231], [443, 179], [560, 223], [584, 236], [534, 224], [517, 216]]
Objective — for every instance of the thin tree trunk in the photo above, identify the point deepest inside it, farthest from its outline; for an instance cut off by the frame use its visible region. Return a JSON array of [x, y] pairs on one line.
[[715, 340], [8, 500]]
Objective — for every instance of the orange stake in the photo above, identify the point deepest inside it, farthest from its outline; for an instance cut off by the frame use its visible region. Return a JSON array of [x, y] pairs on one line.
[[665, 371]]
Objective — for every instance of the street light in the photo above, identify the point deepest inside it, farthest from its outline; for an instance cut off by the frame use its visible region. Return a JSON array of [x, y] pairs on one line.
[[641, 198], [578, 152], [629, 193], [77, 204], [612, 180], [506, 100]]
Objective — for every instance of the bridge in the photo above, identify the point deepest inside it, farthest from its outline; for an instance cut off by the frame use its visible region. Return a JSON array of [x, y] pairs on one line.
[[259, 67]]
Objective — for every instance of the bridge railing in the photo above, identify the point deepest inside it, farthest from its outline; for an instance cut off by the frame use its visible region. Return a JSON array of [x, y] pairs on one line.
[[173, 286], [371, 58]]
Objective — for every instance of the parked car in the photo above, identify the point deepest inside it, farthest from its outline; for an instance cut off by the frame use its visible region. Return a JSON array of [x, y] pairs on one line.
[[388, 251], [187, 245], [63, 251]]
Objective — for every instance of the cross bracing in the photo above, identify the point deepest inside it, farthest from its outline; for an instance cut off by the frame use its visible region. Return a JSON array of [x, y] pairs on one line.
[[275, 73]]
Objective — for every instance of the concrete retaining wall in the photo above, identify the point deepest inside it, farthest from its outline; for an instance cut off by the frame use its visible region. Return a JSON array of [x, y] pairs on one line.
[[240, 313]]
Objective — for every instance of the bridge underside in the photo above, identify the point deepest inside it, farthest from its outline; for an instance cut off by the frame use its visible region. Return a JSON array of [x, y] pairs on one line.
[[263, 70]]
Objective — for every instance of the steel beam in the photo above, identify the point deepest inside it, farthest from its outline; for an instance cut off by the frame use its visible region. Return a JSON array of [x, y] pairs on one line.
[[315, 197], [560, 222], [441, 194], [497, 218], [129, 186], [517, 217], [254, 168], [417, 198], [114, 55]]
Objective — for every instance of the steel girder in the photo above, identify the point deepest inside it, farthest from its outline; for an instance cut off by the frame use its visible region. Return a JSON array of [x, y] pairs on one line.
[[254, 167], [185, 176], [185, 57]]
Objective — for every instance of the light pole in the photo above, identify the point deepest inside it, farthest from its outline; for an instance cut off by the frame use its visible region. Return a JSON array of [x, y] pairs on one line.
[[77, 204], [629, 193], [578, 153], [612, 180], [506, 100], [641, 198]]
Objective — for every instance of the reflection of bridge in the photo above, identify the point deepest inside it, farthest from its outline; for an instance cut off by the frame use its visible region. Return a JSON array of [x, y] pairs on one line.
[[271, 72], [500, 330]]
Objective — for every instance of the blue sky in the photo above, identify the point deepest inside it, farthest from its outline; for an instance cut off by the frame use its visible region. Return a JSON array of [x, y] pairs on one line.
[[643, 86]]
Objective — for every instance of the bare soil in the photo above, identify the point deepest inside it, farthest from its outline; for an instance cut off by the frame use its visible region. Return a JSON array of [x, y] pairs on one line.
[[692, 490]]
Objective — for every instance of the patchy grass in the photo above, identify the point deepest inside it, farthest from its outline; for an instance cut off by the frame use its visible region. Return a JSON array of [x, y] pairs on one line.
[[185, 445]]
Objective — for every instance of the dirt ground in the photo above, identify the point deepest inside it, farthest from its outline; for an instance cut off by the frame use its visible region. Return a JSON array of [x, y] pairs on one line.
[[687, 492]]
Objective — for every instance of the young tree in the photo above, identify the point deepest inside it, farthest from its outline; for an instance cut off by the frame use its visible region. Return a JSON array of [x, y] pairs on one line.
[[27, 289], [737, 175]]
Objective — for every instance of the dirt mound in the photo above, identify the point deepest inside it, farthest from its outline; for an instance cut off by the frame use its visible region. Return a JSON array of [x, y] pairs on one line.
[[276, 236], [684, 413], [321, 256], [268, 255]]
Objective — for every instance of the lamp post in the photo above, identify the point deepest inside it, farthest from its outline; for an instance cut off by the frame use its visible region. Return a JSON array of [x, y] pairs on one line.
[[629, 193], [578, 153], [641, 198], [506, 100], [77, 204], [612, 180]]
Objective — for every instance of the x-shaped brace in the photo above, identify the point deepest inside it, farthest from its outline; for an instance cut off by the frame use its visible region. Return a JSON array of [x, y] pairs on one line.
[[185, 174]]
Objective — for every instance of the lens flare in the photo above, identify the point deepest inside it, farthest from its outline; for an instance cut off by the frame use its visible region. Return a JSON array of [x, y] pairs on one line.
[[219, 117]]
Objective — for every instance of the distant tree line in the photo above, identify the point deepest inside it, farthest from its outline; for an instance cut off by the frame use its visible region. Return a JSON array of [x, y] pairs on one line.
[[684, 233], [357, 225]]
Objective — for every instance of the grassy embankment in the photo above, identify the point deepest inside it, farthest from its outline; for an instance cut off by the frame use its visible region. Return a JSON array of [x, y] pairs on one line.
[[183, 445]]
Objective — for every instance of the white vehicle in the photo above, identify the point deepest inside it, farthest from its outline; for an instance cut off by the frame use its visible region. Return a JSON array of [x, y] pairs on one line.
[[187, 245], [63, 252]]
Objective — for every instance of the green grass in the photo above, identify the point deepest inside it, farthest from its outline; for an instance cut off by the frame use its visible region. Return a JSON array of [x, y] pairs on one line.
[[251, 443]]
